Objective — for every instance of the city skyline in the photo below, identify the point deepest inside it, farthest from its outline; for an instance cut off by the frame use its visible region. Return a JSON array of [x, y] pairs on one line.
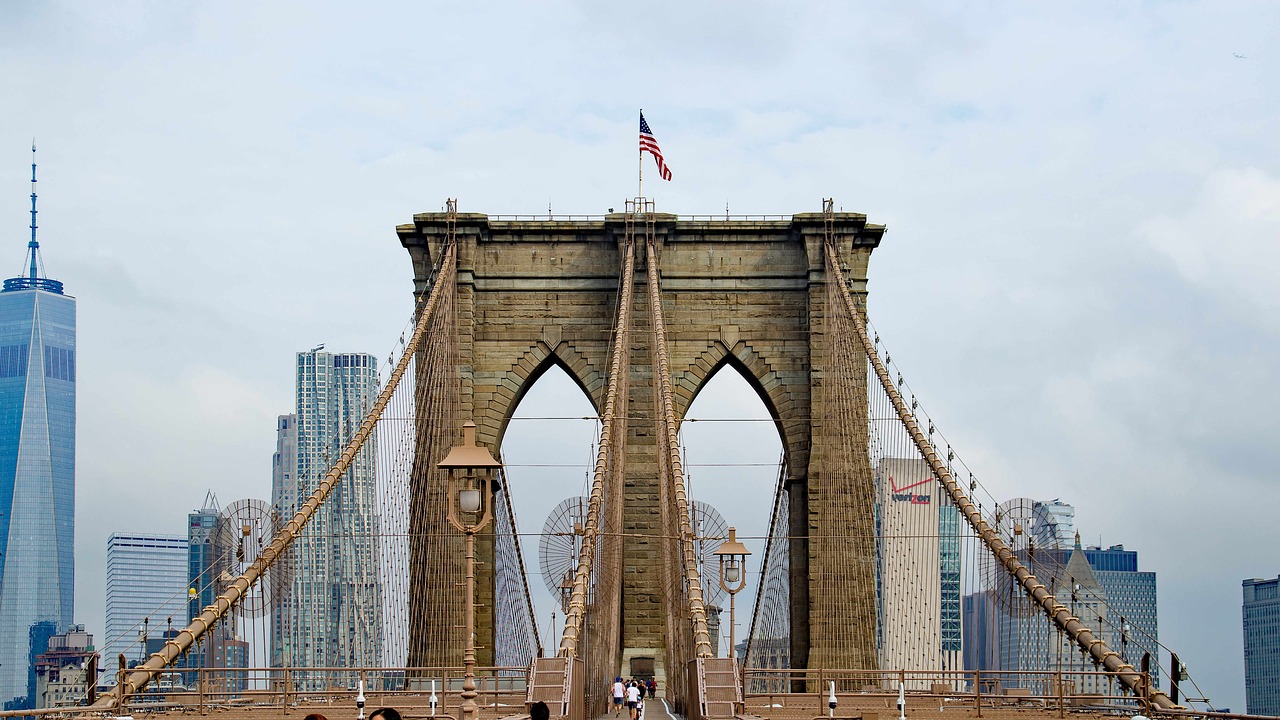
[[1076, 277]]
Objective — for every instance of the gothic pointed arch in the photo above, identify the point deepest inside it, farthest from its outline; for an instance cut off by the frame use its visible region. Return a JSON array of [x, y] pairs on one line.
[[767, 383], [533, 363]]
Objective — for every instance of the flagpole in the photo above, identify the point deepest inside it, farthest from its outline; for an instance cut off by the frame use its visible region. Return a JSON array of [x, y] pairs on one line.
[[640, 168]]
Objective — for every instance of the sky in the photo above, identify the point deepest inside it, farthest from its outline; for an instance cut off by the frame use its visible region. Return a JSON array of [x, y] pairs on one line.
[[1078, 280]]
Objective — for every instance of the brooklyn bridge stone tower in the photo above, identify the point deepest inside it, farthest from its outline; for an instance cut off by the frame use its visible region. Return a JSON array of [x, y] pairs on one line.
[[748, 293]]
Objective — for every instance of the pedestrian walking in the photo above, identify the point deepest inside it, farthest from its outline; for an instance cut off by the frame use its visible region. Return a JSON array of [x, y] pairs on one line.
[[619, 695]]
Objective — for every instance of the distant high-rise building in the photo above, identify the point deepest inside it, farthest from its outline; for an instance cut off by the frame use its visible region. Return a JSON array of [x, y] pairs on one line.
[[980, 631], [1006, 632], [38, 642], [146, 581], [1262, 646], [284, 500], [207, 564], [1104, 588], [202, 587], [332, 609], [917, 569], [229, 654], [284, 464], [1131, 604], [62, 671], [1053, 523], [37, 462]]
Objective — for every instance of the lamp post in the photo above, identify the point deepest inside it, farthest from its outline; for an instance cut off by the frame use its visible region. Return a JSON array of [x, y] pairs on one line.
[[733, 556], [470, 510]]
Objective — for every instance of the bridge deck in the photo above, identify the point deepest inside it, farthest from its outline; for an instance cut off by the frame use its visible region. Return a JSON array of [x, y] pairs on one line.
[[653, 709]]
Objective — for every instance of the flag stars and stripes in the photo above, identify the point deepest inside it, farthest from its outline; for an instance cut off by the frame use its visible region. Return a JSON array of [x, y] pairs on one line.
[[649, 143]]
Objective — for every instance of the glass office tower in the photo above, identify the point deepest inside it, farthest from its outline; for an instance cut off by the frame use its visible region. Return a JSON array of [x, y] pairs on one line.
[[146, 580], [200, 558], [332, 610], [1261, 614], [37, 463], [284, 499]]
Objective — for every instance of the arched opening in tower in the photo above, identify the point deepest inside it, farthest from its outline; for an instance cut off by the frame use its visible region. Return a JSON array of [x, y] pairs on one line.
[[733, 460], [549, 451]]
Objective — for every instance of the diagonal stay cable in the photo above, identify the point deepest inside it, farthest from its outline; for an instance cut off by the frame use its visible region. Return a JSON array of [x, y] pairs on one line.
[[591, 530], [697, 610], [1057, 612]]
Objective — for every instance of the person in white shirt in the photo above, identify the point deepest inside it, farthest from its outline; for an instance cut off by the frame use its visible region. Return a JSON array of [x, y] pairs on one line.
[[633, 700], [619, 693]]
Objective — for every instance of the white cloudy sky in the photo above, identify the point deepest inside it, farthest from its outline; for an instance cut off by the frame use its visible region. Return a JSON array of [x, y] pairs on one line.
[[1079, 277]]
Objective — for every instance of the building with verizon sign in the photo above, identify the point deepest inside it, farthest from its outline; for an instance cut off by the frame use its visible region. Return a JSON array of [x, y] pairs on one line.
[[917, 570]]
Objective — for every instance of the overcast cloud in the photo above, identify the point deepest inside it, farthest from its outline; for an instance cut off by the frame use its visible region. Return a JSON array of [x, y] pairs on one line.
[[1078, 280]]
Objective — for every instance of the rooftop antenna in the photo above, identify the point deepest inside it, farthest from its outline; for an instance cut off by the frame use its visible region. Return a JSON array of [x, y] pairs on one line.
[[33, 246], [210, 501], [29, 278]]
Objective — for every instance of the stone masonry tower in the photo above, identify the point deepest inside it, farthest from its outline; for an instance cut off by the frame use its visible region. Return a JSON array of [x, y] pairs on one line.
[[750, 293]]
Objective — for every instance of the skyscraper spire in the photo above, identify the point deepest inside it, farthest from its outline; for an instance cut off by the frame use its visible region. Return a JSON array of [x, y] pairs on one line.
[[31, 279], [33, 246]]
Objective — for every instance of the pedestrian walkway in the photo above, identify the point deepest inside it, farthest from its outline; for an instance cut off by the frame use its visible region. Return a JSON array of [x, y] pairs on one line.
[[658, 709], [654, 709]]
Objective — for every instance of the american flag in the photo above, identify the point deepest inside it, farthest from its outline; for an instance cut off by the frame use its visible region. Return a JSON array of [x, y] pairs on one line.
[[648, 142]]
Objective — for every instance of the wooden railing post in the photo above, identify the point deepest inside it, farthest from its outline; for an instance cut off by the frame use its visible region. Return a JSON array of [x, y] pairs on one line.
[[977, 691], [1058, 675]]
